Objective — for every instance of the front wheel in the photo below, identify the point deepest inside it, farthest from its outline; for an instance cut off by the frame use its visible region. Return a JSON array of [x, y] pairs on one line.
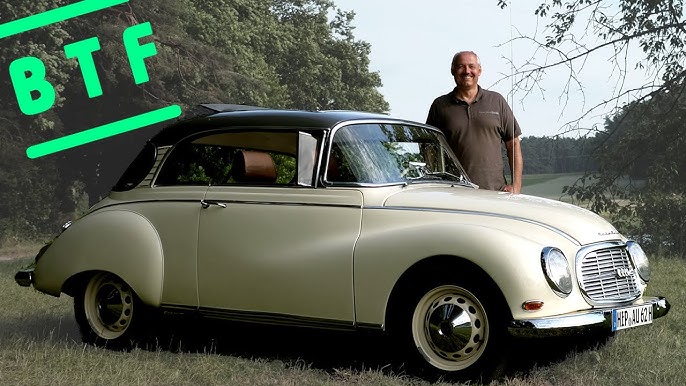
[[108, 312], [458, 331]]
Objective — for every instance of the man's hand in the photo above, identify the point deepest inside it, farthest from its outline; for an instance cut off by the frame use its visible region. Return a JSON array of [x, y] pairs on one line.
[[511, 189]]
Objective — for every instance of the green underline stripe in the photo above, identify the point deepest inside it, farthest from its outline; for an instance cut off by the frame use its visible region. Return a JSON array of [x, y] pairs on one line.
[[55, 15], [104, 131]]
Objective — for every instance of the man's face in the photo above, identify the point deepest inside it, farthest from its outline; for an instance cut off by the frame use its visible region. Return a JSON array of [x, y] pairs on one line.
[[466, 70]]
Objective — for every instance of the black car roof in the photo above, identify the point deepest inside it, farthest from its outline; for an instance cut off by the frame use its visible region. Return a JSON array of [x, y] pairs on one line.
[[260, 117]]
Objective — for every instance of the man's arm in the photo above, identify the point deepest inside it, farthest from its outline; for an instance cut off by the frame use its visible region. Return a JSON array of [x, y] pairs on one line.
[[514, 155]]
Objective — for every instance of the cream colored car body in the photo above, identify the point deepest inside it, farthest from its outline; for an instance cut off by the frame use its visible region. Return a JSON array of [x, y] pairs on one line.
[[326, 254], [195, 257]]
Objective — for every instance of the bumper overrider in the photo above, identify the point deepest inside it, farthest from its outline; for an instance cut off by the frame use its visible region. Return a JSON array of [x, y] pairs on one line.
[[594, 320], [24, 277]]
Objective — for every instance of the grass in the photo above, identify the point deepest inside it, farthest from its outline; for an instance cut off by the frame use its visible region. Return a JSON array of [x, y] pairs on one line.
[[548, 185], [40, 345]]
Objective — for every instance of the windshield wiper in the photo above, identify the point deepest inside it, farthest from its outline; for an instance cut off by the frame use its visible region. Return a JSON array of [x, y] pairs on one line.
[[442, 175], [424, 174], [445, 177]]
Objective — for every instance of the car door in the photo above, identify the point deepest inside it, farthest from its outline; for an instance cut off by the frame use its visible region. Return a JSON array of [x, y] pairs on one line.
[[278, 253]]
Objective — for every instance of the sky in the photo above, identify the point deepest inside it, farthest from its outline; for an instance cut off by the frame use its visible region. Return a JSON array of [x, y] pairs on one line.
[[413, 42]]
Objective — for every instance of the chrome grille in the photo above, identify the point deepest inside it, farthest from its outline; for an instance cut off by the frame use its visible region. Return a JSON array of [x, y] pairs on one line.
[[607, 275]]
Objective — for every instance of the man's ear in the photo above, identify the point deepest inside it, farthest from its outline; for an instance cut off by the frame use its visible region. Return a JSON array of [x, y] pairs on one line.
[[452, 71]]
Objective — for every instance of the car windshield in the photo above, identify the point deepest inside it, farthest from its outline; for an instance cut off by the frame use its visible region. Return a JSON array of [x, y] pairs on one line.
[[391, 153]]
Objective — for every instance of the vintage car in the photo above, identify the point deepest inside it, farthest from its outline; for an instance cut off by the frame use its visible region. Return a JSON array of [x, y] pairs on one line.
[[339, 220]]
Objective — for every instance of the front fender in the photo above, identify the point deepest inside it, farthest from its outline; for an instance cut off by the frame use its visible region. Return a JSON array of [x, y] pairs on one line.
[[389, 248], [118, 241]]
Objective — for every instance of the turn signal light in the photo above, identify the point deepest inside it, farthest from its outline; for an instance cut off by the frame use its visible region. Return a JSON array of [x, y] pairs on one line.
[[532, 305]]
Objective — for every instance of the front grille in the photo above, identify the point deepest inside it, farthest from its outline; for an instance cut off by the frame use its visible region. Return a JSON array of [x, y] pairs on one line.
[[607, 275]]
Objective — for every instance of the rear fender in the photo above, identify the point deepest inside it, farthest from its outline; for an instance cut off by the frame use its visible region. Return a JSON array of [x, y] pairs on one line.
[[121, 242]]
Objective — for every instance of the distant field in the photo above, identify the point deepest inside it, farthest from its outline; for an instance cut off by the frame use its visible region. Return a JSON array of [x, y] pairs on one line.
[[548, 185]]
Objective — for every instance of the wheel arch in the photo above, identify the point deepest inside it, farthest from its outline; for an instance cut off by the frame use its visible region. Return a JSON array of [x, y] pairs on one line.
[[121, 242], [437, 268], [77, 282]]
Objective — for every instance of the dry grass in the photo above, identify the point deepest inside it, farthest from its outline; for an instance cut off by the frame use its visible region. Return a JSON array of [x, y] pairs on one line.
[[13, 249], [39, 345]]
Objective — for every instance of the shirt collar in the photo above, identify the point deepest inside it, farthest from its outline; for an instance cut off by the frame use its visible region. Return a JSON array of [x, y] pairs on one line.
[[479, 94]]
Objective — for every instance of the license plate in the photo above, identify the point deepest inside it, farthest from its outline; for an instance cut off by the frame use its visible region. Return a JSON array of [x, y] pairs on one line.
[[631, 317]]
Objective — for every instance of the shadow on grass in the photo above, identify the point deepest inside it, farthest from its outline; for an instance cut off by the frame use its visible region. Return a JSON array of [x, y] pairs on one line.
[[40, 328], [330, 351], [326, 350], [336, 351]]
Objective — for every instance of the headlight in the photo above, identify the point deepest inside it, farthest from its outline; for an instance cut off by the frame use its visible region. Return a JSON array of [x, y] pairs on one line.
[[640, 260], [556, 269]]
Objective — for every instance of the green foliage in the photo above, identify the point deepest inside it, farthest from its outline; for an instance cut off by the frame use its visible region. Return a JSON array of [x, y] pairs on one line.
[[645, 141], [27, 208], [273, 53], [285, 168], [545, 155]]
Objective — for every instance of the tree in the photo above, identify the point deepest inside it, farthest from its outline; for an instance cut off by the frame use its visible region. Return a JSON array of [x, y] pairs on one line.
[[555, 155], [28, 188], [640, 138], [273, 53], [579, 30], [640, 179]]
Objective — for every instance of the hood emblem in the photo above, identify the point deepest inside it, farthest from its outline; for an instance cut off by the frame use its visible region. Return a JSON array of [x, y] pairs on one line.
[[613, 232], [623, 272]]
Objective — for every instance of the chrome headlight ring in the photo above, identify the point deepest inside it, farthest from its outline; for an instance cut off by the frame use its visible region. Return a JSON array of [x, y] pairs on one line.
[[556, 270], [640, 260]]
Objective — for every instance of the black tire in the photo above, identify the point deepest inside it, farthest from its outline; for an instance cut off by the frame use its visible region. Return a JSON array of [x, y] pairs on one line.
[[109, 313], [458, 329]]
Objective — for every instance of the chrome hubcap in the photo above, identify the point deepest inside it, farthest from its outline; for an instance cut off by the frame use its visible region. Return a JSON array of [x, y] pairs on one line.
[[108, 306], [450, 328], [114, 306]]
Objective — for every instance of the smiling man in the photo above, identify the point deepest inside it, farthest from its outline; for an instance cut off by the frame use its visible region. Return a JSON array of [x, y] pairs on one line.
[[475, 122]]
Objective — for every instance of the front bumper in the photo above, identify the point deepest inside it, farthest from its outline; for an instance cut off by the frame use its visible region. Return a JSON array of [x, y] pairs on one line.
[[594, 320]]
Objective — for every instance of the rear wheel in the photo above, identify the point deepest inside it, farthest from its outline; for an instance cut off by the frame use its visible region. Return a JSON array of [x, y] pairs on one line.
[[108, 312]]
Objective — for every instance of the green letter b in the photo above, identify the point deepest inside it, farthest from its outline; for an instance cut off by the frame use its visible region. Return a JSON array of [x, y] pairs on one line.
[[35, 81]]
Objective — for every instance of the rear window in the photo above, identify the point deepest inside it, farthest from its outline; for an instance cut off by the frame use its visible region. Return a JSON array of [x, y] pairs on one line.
[[138, 169]]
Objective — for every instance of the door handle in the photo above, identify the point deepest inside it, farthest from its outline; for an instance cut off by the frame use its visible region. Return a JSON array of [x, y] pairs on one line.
[[206, 204]]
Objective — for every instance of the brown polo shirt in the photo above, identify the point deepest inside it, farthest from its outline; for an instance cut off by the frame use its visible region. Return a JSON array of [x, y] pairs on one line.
[[475, 133]]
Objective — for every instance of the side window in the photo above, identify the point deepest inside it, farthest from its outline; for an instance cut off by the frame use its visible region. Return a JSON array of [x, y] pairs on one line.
[[196, 164], [247, 158]]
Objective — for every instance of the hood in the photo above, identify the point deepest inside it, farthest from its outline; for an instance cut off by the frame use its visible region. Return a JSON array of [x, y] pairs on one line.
[[580, 224]]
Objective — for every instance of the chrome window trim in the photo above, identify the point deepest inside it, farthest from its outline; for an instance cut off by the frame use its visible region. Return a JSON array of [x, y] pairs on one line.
[[329, 143]]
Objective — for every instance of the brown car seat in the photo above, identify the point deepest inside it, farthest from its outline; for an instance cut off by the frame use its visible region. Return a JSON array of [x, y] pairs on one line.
[[251, 166]]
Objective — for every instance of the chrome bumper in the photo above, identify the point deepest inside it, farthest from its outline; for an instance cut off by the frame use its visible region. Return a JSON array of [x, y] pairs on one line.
[[595, 320], [24, 277]]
